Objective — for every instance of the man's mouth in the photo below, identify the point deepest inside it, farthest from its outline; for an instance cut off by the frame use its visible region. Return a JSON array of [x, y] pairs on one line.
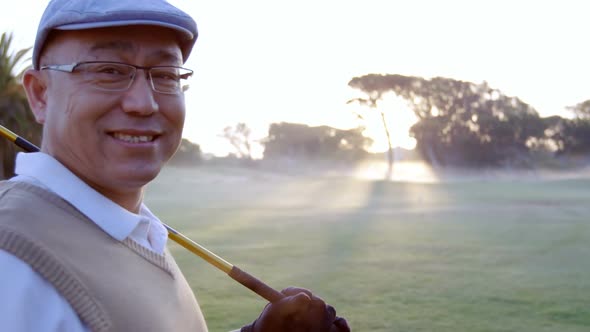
[[133, 138]]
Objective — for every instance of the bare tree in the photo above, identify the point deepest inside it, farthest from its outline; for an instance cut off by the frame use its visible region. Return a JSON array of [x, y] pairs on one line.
[[239, 137], [371, 102]]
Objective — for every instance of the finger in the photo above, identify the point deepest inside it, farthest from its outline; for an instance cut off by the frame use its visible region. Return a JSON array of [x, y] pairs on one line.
[[340, 325], [331, 312], [318, 303], [289, 291], [286, 312], [317, 314], [324, 315], [294, 305]]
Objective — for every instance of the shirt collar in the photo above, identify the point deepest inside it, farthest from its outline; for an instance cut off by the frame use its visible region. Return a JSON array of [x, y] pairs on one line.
[[109, 216]]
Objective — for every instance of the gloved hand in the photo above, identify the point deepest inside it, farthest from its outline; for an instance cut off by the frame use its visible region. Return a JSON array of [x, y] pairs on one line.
[[298, 311]]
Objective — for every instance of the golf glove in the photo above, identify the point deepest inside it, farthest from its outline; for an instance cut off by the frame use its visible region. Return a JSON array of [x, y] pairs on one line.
[[298, 311]]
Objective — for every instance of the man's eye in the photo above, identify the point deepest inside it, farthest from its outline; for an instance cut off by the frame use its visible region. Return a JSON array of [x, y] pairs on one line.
[[165, 76], [110, 70]]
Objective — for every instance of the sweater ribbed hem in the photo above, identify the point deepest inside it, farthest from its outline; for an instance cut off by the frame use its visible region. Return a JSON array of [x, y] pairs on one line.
[[52, 270], [151, 256]]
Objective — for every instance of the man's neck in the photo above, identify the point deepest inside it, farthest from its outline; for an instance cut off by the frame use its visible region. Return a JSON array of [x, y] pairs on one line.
[[130, 201]]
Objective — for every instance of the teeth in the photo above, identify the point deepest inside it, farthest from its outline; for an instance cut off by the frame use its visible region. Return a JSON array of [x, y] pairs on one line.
[[133, 139]]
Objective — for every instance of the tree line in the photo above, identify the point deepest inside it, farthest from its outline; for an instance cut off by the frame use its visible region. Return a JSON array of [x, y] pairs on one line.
[[459, 123], [468, 124]]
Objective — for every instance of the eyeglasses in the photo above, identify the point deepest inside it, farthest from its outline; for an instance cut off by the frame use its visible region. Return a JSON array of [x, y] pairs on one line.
[[117, 76]]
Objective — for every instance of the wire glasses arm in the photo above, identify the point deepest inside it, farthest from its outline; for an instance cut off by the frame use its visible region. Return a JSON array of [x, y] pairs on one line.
[[65, 68]]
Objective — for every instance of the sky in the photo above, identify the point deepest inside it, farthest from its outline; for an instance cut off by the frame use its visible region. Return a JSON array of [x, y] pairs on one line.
[[263, 61]]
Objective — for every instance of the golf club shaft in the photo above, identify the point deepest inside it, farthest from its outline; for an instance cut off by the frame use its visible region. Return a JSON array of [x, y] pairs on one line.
[[234, 272]]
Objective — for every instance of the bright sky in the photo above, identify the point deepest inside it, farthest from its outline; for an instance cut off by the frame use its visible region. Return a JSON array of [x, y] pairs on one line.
[[264, 61]]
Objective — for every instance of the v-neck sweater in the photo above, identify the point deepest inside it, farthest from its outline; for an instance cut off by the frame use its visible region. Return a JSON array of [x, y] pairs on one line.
[[112, 285]]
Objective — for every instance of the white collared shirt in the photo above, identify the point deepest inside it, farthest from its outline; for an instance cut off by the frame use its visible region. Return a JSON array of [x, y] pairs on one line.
[[29, 302]]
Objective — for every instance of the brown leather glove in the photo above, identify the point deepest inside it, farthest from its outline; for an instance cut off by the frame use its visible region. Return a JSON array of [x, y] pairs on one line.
[[298, 311]]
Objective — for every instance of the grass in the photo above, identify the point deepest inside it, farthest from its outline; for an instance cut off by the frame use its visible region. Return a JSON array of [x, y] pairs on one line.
[[476, 255]]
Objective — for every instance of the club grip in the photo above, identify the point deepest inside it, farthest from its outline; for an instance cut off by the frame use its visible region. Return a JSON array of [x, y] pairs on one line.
[[255, 285], [25, 145]]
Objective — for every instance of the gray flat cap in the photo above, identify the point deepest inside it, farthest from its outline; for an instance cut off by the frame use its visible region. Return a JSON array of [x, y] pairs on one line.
[[89, 14]]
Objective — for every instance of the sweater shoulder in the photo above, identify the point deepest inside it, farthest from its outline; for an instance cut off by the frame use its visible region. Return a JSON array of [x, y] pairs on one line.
[[26, 205], [15, 195]]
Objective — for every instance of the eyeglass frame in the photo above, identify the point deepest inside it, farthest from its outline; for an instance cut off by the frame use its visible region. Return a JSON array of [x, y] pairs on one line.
[[70, 68]]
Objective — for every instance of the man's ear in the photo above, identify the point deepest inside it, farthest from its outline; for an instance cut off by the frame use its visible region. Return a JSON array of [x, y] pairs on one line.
[[35, 84]]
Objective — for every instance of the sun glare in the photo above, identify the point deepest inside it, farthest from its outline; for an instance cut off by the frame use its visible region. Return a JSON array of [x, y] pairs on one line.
[[403, 171], [398, 117]]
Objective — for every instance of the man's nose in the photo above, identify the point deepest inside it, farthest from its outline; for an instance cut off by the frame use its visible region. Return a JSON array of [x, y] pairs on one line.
[[140, 97]]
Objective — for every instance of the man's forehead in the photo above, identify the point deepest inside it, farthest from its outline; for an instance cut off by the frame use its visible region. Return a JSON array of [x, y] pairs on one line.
[[120, 42], [169, 52]]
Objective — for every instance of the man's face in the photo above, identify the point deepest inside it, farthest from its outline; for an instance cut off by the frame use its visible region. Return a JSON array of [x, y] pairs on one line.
[[116, 141]]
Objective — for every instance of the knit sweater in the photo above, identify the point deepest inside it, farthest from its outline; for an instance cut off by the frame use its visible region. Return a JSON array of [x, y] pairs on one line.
[[103, 279]]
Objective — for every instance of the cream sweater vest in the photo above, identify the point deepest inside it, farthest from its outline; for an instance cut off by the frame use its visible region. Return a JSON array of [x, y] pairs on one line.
[[104, 280]]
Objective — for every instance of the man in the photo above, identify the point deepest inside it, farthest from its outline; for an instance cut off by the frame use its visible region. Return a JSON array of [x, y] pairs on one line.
[[79, 251]]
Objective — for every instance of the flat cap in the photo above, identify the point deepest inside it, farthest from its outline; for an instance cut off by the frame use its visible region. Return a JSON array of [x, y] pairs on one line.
[[90, 14]]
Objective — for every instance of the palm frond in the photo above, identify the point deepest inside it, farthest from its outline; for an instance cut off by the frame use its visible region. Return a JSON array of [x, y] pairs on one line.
[[14, 107]]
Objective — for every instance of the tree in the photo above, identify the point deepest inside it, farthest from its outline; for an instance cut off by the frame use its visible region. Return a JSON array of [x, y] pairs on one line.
[[371, 101], [239, 138], [299, 141], [462, 123], [581, 110], [573, 135], [188, 153], [15, 113]]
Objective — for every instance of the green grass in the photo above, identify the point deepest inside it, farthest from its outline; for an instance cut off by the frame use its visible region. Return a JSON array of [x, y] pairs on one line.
[[462, 256]]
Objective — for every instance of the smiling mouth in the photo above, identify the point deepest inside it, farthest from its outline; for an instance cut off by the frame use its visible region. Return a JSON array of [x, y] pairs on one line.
[[133, 138]]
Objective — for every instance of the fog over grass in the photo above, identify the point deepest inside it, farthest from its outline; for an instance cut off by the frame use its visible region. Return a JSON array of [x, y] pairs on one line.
[[488, 254]]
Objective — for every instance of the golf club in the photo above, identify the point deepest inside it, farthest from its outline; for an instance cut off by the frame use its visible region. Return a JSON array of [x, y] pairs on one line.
[[233, 271]]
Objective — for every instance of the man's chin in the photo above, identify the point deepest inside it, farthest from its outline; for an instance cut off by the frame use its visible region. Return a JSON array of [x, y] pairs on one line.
[[134, 177]]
